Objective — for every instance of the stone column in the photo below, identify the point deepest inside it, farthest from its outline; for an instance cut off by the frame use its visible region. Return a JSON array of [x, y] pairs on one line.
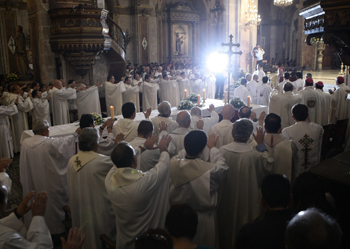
[[43, 58]]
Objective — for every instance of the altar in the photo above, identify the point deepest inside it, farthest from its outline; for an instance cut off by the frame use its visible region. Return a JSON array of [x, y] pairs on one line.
[[69, 129]]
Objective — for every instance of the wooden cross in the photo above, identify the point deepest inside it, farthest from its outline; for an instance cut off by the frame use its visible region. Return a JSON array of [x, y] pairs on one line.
[[230, 53]]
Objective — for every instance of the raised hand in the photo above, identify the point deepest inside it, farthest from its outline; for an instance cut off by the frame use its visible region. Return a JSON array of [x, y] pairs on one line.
[[162, 126], [74, 239], [147, 113], [253, 115], [259, 137], [149, 143], [164, 143], [212, 140], [200, 124], [23, 207], [119, 138], [39, 205], [4, 164], [261, 118]]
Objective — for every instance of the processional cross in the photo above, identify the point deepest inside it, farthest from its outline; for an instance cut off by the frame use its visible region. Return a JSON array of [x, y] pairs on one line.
[[230, 53]]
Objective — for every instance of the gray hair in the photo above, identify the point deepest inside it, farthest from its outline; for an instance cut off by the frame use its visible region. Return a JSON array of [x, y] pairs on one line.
[[39, 125], [87, 138], [242, 130], [164, 108], [195, 111]]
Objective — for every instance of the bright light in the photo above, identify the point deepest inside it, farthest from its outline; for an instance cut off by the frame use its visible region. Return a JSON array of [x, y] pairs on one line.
[[217, 62]]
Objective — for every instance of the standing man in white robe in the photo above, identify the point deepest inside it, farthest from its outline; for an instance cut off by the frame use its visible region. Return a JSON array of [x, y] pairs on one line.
[[90, 207], [88, 100], [299, 83], [275, 80], [183, 85], [6, 143], [131, 93], [19, 121], [239, 195], [340, 104], [197, 84], [282, 150], [43, 167], [260, 72], [309, 97], [282, 104], [263, 92], [324, 105], [128, 126], [140, 201], [164, 110], [307, 137], [242, 92], [169, 91], [196, 114], [114, 95], [41, 108], [137, 79], [224, 127], [59, 104], [149, 94], [195, 182], [252, 86], [210, 80]]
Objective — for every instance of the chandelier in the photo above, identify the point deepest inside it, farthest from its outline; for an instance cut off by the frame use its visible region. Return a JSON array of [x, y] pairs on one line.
[[251, 14], [282, 3]]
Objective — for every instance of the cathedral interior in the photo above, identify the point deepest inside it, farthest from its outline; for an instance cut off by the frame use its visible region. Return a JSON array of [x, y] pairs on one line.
[[87, 39]]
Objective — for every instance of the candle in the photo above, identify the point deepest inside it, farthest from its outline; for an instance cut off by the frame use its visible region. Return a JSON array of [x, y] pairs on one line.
[[198, 99], [225, 97], [185, 93], [112, 112], [204, 94], [248, 101]]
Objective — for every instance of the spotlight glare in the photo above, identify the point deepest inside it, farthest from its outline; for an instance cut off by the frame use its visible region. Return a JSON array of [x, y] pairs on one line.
[[217, 62]]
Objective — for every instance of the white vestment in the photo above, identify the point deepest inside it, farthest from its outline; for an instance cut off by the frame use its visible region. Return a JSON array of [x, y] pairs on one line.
[[169, 91], [210, 86], [43, 167], [323, 108], [41, 110], [114, 97], [135, 144], [308, 140], [140, 200], [241, 92], [252, 86], [263, 94], [197, 86], [90, 207], [172, 125], [222, 129], [282, 106], [149, 95], [19, 121], [59, 105], [283, 152], [6, 148], [195, 182], [261, 74], [128, 127], [183, 85], [13, 233], [310, 98], [299, 84], [132, 95], [341, 105], [239, 195], [208, 122], [149, 159], [88, 101], [106, 144]]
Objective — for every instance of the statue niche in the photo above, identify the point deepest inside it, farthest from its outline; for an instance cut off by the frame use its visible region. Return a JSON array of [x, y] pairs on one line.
[[181, 41]]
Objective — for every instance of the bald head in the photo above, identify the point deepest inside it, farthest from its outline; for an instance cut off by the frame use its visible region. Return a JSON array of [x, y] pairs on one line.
[[57, 84], [195, 111], [183, 119], [228, 112], [244, 112]]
